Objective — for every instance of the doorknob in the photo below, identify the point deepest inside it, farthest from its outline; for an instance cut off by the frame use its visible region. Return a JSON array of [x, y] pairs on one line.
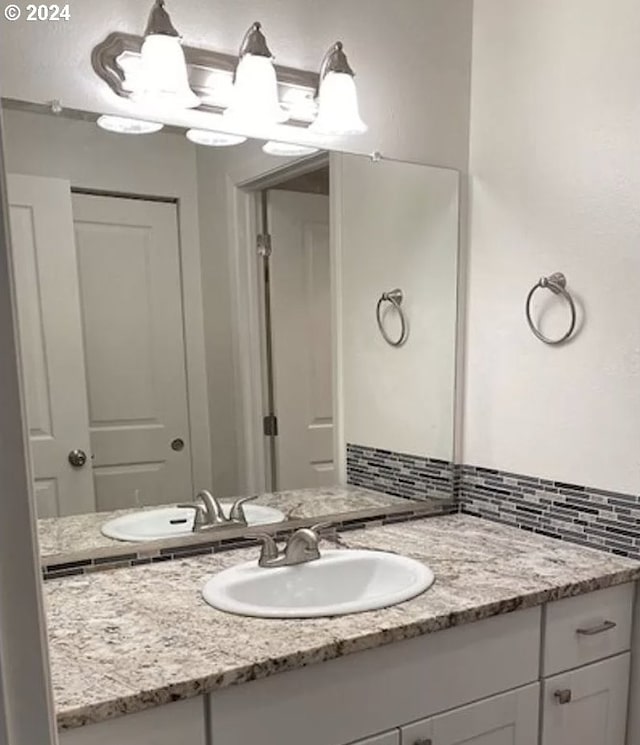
[[77, 458]]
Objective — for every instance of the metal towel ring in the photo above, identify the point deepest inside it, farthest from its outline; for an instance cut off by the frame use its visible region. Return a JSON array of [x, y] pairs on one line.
[[557, 283], [395, 297]]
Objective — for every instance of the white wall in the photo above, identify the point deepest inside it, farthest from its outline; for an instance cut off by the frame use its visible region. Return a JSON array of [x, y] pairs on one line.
[[555, 186], [411, 58], [397, 226]]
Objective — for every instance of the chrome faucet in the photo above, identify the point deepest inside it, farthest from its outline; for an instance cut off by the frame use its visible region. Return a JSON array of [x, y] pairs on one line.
[[209, 512], [301, 548]]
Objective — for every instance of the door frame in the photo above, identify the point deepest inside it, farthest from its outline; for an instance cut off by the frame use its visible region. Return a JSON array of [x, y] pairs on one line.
[[244, 187]]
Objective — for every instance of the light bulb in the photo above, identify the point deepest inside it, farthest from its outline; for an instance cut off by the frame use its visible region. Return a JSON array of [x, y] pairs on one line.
[[338, 111], [254, 99], [163, 77], [125, 125], [214, 139], [287, 149]]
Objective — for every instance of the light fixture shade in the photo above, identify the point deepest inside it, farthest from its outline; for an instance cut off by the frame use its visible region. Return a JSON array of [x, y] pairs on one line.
[[254, 100], [163, 74], [214, 139], [125, 125], [338, 110], [287, 149]]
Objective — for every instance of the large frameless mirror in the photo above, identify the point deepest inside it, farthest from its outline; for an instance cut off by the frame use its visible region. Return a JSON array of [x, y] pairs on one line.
[[229, 321]]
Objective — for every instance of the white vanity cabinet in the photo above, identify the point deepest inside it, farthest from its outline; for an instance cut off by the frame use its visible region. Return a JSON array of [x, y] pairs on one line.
[[563, 667]]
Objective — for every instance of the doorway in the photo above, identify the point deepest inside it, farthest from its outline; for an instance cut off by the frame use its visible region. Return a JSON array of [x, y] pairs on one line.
[[295, 277]]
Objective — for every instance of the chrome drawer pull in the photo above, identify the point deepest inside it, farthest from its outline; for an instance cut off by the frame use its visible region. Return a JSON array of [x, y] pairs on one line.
[[563, 696], [599, 629]]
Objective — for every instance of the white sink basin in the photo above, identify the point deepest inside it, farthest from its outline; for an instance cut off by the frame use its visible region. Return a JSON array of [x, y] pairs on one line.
[[340, 582], [168, 522]]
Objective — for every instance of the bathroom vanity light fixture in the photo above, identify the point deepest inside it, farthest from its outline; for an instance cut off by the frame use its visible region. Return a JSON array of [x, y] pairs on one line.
[[338, 110], [214, 139], [252, 92], [162, 77], [287, 149], [255, 89], [125, 125]]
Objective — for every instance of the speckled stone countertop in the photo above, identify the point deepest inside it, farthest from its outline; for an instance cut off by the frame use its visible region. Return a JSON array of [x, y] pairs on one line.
[[129, 639], [68, 536]]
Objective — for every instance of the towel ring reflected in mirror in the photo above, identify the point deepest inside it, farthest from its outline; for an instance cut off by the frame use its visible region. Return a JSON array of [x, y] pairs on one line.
[[395, 298], [557, 283]]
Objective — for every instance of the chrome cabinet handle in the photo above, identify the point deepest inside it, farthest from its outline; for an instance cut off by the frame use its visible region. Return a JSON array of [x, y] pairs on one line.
[[77, 458], [563, 696], [598, 629]]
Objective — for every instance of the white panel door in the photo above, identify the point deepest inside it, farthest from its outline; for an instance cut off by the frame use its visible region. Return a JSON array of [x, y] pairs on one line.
[[46, 281], [509, 719], [302, 346], [594, 711], [131, 306]]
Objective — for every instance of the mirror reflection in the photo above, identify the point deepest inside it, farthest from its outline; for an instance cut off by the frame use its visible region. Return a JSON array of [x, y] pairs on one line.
[[219, 338]]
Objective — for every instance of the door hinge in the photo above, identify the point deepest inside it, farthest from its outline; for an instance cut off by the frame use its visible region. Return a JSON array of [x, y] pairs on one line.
[[270, 425], [263, 243]]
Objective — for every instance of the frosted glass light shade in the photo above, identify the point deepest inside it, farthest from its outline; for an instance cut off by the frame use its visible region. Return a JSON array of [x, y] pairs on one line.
[[124, 125], [254, 101], [214, 139], [338, 111], [287, 149], [163, 74]]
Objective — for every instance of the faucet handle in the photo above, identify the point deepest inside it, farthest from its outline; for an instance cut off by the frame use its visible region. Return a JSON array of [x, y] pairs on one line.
[[270, 551], [199, 516], [237, 514]]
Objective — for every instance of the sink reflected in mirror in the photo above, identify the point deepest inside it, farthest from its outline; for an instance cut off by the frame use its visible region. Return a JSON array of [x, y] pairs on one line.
[[339, 583], [172, 522]]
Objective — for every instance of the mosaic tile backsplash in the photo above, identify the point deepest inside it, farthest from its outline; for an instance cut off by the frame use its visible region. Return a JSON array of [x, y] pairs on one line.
[[402, 475], [580, 514]]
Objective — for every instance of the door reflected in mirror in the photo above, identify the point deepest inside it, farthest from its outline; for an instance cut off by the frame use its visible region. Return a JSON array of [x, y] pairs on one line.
[[197, 318]]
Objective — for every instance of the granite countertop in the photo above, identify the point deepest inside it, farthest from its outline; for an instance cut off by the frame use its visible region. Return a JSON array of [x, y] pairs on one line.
[[129, 639], [68, 536]]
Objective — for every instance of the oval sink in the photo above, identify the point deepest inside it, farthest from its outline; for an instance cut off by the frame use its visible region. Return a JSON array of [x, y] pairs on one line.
[[169, 522], [341, 582]]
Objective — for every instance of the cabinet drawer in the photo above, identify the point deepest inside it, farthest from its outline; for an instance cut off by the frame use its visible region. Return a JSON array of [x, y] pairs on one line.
[[587, 706], [587, 628]]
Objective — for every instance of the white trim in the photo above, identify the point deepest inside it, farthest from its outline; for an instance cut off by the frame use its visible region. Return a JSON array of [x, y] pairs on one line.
[[335, 196], [27, 701], [242, 185]]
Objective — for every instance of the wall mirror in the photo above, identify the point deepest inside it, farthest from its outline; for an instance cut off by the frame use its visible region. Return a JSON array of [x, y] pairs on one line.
[[274, 326]]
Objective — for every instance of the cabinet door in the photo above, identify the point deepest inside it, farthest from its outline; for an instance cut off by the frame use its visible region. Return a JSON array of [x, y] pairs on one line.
[[508, 719], [388, 738], [589, 705]]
